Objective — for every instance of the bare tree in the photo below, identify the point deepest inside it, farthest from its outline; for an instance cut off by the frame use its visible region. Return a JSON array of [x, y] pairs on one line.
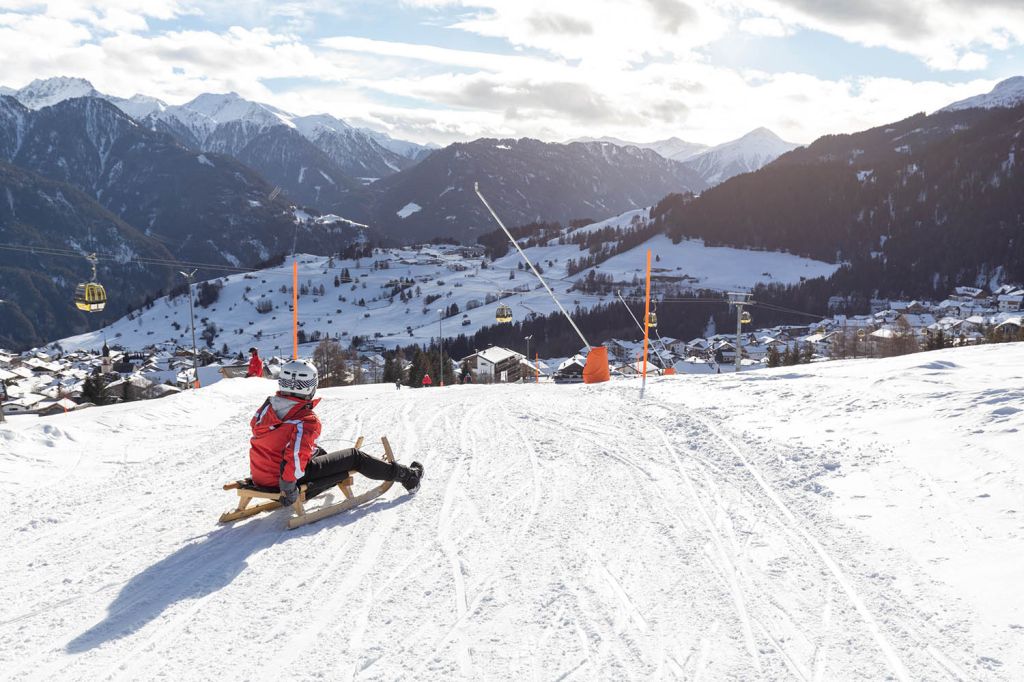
[[329, 359]]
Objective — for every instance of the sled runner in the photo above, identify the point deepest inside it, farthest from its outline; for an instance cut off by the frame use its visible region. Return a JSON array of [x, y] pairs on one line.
[[248, 491]]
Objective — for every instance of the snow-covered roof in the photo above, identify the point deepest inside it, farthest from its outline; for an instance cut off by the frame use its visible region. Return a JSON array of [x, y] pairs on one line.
[[574, 360], [496, 354], [27, 399], [919, 320]]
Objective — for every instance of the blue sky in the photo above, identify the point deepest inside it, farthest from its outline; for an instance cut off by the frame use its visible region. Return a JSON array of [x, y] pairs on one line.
[[445, 70]]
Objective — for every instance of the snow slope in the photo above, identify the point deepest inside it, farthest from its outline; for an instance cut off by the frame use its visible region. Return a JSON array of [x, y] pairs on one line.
[[438, 271], [849, 520], [1006, 94]]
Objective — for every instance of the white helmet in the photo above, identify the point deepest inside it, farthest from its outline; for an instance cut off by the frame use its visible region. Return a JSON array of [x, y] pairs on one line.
[[298, 378]]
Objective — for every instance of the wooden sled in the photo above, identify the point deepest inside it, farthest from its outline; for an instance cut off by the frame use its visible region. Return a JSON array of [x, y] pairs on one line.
[[247, 492]]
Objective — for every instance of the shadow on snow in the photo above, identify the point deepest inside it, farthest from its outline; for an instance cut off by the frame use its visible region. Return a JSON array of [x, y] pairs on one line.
[[199, 569]]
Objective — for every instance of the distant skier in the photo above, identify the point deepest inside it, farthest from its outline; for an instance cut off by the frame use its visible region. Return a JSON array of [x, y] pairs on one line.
[[284, 453], [255, 364], [427, 383], [398, 384]]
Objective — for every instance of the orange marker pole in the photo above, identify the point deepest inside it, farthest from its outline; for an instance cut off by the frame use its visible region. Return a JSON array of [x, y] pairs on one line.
[[537, 356], [295, 310], [647, 327]]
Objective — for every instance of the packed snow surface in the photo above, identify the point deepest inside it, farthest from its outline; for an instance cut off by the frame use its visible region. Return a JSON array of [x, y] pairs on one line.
[[846, 520]]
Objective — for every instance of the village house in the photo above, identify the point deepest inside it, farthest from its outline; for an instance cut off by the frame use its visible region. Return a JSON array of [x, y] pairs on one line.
[[495, 364], [1010, 303], [570, 370]]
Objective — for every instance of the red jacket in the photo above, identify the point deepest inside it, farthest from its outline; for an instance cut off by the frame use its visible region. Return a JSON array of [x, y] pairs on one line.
[[284, 433], [426, 380], [255, 367]]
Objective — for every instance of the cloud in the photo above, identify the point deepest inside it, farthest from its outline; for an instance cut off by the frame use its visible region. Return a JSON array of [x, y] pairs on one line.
[[673, 14], [578, 101], [947, 35], [634, 70], [765, 26], [559, 24]]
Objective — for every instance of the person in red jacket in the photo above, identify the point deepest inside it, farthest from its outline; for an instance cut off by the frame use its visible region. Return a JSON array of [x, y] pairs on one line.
[[255, 364], [427, 383], [284, 453]]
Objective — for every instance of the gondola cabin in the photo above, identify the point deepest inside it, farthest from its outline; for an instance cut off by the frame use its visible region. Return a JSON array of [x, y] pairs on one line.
[[745, 318], [652, 321], [503, 314], [90, 297]]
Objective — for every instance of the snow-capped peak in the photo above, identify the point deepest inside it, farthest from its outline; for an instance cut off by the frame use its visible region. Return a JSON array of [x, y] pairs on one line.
[[225, 107], [49, 91], [311, 126], [1006, 94], [671, 148], [139, 106], [748, 153], [410, 150]]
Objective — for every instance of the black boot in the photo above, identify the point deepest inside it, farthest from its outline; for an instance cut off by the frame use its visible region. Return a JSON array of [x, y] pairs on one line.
[[410, 477]]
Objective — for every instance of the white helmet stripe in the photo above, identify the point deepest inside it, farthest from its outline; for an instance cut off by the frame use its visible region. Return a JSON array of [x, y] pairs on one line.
[[295, 449]]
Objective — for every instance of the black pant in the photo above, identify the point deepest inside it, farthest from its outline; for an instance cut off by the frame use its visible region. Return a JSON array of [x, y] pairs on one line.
[[326, 470]]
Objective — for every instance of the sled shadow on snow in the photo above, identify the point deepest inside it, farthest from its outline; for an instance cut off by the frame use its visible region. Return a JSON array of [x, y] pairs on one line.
[[199, 569]]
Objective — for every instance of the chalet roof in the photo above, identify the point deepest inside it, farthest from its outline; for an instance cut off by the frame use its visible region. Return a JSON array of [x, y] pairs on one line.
[[27, 400], [574, 360], [496, 354], [918, 320]]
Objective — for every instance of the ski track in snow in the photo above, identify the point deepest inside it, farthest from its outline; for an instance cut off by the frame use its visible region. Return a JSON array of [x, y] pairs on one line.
[[562, 532]]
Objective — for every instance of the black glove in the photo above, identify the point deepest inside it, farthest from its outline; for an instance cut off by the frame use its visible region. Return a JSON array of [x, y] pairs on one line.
[[289, 492]]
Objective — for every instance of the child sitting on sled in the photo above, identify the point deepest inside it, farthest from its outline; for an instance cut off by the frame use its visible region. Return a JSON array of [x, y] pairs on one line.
[[284, 453]]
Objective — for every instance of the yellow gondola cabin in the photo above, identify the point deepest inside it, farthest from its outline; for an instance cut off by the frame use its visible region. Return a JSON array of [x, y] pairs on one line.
[[90, 296], [503, 314]]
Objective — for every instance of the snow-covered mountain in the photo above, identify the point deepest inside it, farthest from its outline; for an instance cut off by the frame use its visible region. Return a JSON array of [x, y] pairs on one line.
[[228, 123], [48, 91], [138, 106], [1006, 94], [850, 520], [754, 150], [410, 150], [671, 148]]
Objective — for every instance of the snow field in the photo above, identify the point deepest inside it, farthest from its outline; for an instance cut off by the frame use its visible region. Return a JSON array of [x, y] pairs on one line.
[[784, 524]]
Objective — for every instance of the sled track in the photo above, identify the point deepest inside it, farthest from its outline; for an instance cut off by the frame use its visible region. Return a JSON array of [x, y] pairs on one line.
[[718, 561], [895, 663], [463, 614]]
